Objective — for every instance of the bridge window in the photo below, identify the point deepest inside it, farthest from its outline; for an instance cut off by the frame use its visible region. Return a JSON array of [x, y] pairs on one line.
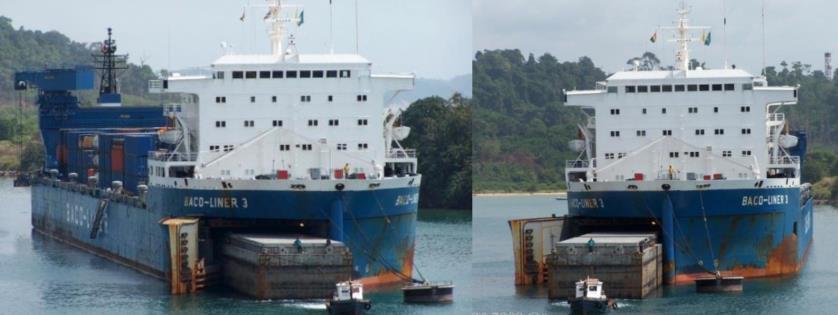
[[612, 89], [655, 88], [717, 87], [238, 74], [747, 86], [277, 74], [692, 87], [729, 87], [345, 73], [666, 88], [218, 75], [305, 74], [264, 74], [679, 88], [704, 87], [250, 75], [630, 89], [317, 73], [332, 74], [642, 89], [290, 74]]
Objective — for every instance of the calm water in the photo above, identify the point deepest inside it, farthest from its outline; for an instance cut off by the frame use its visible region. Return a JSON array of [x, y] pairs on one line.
[[814, 290], [39, 275]]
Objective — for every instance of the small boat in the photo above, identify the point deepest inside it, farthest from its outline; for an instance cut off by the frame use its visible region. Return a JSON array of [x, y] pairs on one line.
[[590, 298], [429, 292], [719, 284], [348, 299]]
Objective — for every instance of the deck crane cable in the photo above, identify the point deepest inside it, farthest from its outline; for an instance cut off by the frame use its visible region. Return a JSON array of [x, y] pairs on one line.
[[684, 248], [707, 231]]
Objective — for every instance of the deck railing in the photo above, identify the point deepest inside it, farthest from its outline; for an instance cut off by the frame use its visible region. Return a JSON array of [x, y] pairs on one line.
[[401, 154]]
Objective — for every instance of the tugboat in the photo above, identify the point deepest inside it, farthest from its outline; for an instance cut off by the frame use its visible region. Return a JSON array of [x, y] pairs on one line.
[[590, 298], [348, 299], [429, 292]]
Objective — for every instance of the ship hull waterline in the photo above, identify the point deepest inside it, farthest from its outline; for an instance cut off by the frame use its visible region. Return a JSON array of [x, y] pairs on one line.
[[377, 225]]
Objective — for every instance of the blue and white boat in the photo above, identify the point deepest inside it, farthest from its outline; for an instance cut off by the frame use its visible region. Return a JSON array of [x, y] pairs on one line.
[[284, 143], [704, 157]]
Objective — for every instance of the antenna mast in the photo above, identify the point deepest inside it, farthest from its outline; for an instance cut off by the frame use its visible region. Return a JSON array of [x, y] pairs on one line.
[[108, 62], [683, 38], [763, 37]]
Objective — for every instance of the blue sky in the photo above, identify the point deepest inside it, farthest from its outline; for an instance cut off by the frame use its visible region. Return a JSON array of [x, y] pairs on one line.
[[429, 37]]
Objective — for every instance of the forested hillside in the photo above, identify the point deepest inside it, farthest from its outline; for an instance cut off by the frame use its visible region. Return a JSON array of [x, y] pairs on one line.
[[522, 128], [23, 49], [441, 134]]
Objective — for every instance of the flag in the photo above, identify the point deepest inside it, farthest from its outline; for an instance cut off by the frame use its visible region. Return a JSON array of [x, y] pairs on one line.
[[654, 37], [242, 17], [707, 39], [300, 20]]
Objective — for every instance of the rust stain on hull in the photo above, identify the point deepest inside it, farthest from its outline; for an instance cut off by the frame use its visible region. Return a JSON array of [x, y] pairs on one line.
[[782, 262]]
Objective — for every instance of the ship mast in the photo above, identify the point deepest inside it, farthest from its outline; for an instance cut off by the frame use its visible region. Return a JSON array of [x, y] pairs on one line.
[[683, 38], [276, 22], [108, 62]]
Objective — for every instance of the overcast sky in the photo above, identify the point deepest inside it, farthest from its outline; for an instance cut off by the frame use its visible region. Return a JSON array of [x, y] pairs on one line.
[[611, 32], [429, 37]]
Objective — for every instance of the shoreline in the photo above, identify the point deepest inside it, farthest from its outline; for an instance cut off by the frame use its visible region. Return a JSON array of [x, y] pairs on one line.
[[558, 193]]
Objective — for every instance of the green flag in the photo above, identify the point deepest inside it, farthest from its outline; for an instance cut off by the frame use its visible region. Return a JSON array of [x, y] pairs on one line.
[[654, 37], [707, 39], [300, 22]]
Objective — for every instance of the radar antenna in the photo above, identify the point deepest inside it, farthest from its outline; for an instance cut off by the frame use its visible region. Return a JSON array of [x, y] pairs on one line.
[[683, 38]]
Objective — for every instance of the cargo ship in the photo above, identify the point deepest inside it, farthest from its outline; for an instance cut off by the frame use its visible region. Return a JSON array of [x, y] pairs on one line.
[[705, 158], [288, 144]]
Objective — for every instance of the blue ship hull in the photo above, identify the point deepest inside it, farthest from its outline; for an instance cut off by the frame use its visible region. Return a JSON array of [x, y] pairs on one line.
[[377, 225], [757, 232]]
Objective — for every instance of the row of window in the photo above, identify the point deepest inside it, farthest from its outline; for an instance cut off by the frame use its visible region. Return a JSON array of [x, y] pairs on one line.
[[668, 132], [278, 123], [287, 147], [303, 99], [679, 88], [279, 74], [690, 110], [674, 155]]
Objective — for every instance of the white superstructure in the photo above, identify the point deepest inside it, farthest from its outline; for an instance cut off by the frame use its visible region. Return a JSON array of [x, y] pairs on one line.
[[683, 124], [304, 116]]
